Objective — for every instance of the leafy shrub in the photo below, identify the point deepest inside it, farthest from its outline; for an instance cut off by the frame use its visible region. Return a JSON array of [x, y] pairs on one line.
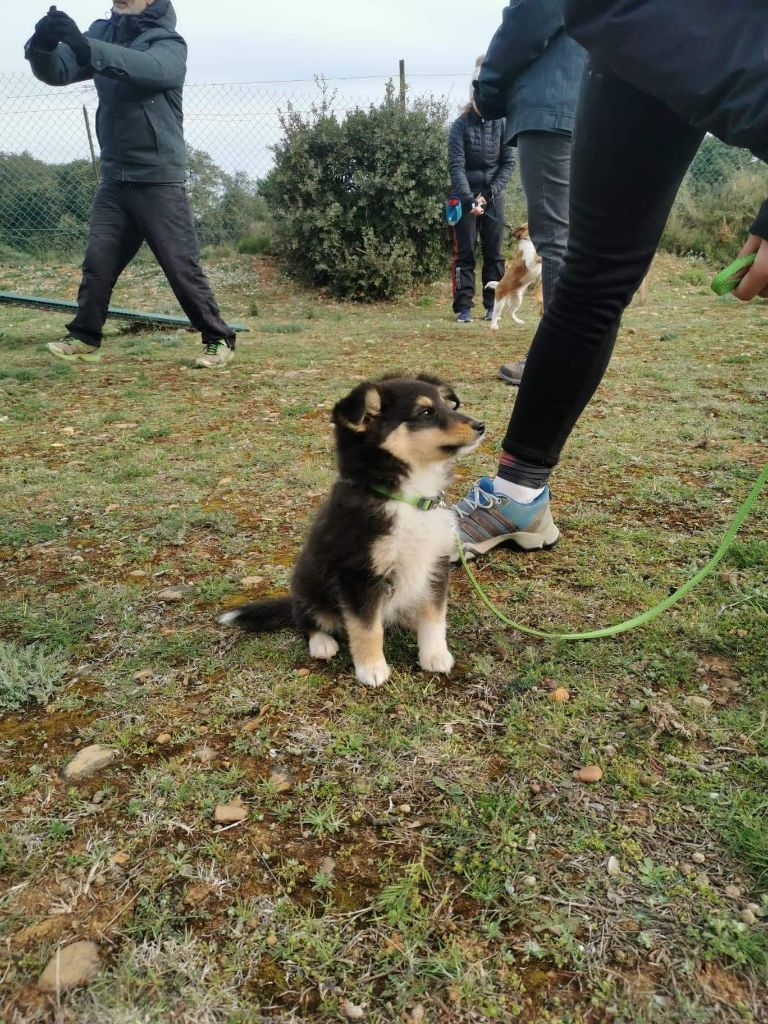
[[357, 203], [27, 674], [717, 202]]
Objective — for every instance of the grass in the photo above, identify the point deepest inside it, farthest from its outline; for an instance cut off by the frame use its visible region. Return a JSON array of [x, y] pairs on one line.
[[432, 857]]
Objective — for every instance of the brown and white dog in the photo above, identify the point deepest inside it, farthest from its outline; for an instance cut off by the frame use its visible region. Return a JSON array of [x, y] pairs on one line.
[[521, 272]]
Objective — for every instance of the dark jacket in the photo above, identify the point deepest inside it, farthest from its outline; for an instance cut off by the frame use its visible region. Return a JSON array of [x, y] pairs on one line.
[[706, 59], [478, 159], [532, 70], [138, 64]]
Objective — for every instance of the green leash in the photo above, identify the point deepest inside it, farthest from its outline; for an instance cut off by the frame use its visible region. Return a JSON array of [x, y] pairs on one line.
[[726, 280], [652, 613]]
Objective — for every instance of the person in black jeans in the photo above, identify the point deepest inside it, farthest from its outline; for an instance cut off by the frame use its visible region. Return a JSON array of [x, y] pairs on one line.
[[480, 166], [630, 154], [138, 63]]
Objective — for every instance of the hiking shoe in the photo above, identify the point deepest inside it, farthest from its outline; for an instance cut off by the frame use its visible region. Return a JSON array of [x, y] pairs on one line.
[[487, 519], [488, 314], [72, 349], [464, 317], [215, 355], [512, 373]]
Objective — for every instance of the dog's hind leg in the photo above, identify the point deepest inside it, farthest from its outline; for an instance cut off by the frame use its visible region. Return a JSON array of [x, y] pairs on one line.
[[366, 643], [498, 309], [322, 646], [518, 301]]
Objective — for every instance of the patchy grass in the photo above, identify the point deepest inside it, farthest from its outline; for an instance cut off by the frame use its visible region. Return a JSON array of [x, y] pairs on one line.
[[431, 856]]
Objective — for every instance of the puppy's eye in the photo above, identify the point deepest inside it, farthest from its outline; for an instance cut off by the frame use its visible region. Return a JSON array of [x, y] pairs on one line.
[[427, 413]]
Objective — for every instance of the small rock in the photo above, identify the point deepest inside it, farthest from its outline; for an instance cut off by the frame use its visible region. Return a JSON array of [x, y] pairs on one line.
[[404, 808], [87, 762], [448, 729], [205, 754], [145, 673], [137, 573], [351, 1011], [70, 967], [748, 916], [610, 750], [698, 857], [120, 858], [535, 787], [171, 594], [529, 880], [732, 892], [111, 508], [614, 868], [754, 907], [281, 781], [251, 581], [590, 773], [303, 672], [164, 737], [69, 431], [327, 866], [228, 814], [560, 695], [417, 1013]]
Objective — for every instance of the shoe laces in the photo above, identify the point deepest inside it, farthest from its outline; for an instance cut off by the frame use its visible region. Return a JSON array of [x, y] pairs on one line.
[[477, 498], [211, 348]]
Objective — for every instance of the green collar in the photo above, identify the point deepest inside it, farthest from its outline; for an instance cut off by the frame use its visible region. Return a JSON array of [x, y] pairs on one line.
[[425, 504]]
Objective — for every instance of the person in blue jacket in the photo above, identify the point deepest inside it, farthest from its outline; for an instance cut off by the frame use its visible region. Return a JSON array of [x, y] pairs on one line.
[[530, 76], [480, 165], [660, 75], [138, 63]]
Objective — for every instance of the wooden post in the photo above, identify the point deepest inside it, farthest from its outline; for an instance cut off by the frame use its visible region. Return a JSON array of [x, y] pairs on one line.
[[94, 161], [402, 84]]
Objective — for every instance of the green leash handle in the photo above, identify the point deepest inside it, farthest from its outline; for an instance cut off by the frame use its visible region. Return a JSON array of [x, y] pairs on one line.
[[726, 280], [652, 613]]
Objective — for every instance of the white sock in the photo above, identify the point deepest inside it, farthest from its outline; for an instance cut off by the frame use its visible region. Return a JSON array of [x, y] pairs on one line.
[[523, 495]]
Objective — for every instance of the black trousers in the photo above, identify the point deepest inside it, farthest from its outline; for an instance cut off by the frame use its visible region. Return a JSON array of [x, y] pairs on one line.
[[629, 155], [465, 234], [123, 216]]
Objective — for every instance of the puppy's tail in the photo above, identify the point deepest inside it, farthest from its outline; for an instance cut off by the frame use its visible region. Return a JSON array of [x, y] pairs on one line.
[[492, 284], [261, 616]]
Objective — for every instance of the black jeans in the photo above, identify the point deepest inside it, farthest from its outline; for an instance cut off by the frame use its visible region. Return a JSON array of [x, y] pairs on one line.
[[122, 217], [465, 234], [629, 155]]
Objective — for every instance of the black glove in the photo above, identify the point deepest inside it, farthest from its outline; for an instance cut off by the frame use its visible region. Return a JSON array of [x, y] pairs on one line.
[[66, 31], [45, 37]]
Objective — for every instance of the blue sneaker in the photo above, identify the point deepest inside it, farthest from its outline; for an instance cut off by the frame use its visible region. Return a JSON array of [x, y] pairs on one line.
[[464, 317], [488, 314], [487, 519]]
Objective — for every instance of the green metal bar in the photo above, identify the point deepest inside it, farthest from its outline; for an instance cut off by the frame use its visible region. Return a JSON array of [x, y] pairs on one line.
[[62, 306]]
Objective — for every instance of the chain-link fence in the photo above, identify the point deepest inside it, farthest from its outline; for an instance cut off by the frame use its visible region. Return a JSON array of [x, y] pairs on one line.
[[48, 157]]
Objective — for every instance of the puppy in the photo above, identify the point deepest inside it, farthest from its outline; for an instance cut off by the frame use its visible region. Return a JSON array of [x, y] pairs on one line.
[[379, 549], [521, 272]]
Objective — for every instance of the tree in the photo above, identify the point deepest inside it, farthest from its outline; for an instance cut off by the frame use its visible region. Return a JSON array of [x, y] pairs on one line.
[[357, 204]]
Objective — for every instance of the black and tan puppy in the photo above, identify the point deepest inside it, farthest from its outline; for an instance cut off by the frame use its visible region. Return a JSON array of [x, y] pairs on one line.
[[378, 552]]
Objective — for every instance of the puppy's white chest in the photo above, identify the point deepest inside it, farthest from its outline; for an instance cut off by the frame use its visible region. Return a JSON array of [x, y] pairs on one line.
[[410, 554]]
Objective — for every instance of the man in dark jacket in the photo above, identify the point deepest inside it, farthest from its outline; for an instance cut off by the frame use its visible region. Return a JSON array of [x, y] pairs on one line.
[[138, 63], [659, 76], [530, 76], [480, 166]]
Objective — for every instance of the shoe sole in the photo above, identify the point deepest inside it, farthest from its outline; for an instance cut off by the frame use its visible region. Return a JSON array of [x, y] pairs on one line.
[[215, 366], [520, 540], [515, 381], [95, 358]]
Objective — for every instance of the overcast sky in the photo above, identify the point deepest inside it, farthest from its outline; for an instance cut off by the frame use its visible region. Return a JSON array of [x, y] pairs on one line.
[[258, 40]]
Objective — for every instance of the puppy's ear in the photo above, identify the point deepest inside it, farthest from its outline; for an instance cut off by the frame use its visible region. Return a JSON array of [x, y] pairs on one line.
[[447, 393], [358, 409]]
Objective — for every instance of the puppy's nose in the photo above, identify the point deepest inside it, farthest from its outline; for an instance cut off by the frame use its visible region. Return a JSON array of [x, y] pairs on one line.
[[479, 427]]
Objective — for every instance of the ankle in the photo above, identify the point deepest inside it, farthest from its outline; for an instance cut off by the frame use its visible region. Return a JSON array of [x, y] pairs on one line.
[[518, 492]]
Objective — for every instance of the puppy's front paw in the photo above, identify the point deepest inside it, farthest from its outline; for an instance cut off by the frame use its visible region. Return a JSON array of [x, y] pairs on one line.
[[322, 646], [373, 675], [494, 327], [436, 661]]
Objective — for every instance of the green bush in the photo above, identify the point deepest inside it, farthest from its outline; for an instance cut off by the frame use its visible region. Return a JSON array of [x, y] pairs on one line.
[[27, 674], [717, 202], [357, 203]]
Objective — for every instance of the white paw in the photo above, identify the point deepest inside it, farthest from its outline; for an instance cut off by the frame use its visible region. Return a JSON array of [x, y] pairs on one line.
[[518, 320], [436, 661], [373, 675], [494, 327], [322, 646]]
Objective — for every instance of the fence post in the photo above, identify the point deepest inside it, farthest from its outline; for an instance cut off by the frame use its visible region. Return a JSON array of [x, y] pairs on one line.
[[402, 84], [90, 143]]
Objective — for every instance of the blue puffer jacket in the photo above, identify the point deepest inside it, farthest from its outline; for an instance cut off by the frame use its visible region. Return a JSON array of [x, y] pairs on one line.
[[532, 70], [138, 65], [478, 160]]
